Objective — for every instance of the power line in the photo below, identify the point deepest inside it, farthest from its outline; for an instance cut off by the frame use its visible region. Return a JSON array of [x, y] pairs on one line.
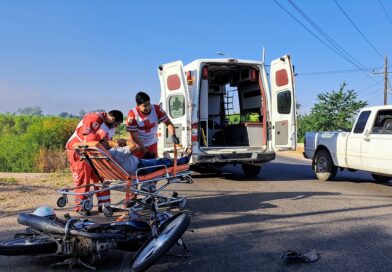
[[306, 28], [385, 12], [337, 71], [370, 86], [336, 48], [360, 32], [367, 94], [346, 55]]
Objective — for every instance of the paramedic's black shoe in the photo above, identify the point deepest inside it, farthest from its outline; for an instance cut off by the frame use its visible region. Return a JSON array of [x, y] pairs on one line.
[[100, 209], [84, 213]]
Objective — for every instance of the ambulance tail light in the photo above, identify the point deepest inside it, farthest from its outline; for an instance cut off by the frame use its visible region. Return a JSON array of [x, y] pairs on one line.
[[189, 78], [204, 73], [195, 132], [253, 75]]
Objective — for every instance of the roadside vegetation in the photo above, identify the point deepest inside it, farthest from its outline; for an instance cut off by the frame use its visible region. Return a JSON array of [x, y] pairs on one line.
[[33, 143], [334, 111]]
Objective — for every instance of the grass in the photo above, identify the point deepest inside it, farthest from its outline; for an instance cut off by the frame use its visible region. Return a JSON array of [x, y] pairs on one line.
[[9, 180], [63, 179]]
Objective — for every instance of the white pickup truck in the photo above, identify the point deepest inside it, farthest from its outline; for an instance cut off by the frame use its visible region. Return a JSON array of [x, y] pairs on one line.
[[367, 147]]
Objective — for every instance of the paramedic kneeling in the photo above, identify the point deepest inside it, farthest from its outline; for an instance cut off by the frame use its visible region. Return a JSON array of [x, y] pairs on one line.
[[142, 123], [98, 126]]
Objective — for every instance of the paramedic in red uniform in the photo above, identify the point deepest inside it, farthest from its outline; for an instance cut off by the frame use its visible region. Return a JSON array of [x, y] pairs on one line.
[[98, 126], [142, 124]]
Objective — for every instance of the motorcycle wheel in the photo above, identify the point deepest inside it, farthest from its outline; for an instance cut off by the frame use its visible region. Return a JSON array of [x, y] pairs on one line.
[[169, 233], [28, 246]]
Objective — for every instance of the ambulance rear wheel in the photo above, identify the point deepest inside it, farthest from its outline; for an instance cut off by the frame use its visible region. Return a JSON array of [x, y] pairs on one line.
[[62, 201], [251, 171]]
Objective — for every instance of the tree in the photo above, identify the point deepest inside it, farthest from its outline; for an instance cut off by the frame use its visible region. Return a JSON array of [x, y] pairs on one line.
[[30, 111], [334, 111], [82, 113]]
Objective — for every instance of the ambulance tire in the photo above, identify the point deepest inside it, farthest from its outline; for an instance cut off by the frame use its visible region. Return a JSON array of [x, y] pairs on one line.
[[251, 171]]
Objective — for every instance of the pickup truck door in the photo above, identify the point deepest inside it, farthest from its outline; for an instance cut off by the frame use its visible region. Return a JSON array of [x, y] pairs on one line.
[[174, 100], [283, 107], [355, 141], [376, 150]]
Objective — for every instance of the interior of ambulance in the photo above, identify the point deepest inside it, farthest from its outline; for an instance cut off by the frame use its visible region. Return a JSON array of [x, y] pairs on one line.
[[231, 102]]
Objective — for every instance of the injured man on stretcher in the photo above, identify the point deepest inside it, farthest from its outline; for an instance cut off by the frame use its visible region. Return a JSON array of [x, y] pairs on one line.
[[130, 163]]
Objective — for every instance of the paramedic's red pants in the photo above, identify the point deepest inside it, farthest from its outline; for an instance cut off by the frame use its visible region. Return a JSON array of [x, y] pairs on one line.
[[152, 148], [83, 174]]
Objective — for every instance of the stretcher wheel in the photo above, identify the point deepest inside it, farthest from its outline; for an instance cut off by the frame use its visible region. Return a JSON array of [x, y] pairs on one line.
[[189, 180], [175, 194], [182, 204], [62, 201], [107, 211], [87, 205]]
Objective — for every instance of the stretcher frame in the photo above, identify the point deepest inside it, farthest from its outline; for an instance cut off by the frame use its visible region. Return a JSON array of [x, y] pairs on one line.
[[114, 178]]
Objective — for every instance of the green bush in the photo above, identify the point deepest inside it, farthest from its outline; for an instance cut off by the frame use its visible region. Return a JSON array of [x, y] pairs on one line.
[[27, 143]]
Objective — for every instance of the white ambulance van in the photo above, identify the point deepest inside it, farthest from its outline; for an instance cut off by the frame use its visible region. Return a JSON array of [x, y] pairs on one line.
[[229, 111]]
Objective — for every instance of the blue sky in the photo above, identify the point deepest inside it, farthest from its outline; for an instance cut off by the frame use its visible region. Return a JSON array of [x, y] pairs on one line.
[[73, 55]]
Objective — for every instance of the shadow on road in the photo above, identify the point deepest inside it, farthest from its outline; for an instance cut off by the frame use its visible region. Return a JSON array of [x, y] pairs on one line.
[[357, 177], [249, 202], [270, 172], [246, 251]]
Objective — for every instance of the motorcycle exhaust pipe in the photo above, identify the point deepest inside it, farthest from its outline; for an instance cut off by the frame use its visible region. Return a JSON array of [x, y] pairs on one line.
[[40, 223]]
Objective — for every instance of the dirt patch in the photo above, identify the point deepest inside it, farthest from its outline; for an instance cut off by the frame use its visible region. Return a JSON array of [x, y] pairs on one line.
[[298, 153], [26, 191]]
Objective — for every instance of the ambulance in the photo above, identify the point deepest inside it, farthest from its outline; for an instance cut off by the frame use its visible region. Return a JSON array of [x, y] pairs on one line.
[[229, 111]]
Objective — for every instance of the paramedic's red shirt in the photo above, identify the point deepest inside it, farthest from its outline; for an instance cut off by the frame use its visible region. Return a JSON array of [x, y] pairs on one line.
[[89, 126], [132, 125]]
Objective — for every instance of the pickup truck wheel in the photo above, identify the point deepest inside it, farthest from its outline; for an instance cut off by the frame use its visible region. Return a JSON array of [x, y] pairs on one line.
[[380, 178], [323, 166], [251, 170]]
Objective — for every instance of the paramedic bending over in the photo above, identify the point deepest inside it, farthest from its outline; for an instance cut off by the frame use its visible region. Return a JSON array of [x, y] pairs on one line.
[[142, 124], [98, 126]]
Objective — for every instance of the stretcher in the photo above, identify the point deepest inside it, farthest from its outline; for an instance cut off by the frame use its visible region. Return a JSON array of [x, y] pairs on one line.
[[114, 178]]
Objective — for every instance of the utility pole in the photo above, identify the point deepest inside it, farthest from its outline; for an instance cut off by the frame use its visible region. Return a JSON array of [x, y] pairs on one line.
[[385, 80]]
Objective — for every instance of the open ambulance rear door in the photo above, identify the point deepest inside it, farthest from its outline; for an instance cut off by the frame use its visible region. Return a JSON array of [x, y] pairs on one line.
[[283, 112], [175, 101]]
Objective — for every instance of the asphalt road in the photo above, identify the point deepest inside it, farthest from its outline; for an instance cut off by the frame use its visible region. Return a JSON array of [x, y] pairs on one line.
[[245, 225]]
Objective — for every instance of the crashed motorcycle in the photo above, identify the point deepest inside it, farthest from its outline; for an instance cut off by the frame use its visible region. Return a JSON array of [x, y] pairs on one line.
[[83, 242]]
